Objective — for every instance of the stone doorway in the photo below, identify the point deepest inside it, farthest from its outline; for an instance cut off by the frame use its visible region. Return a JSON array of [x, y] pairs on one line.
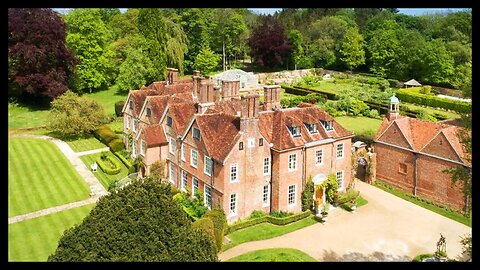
[[361, 169]]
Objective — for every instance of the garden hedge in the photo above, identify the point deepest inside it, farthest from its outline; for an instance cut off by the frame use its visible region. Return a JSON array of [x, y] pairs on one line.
[[205, 224], [105, 134], [119, 107], [125, 160], [106, 169], [116, 145], [270, 219], [434, 101], [219, 224]]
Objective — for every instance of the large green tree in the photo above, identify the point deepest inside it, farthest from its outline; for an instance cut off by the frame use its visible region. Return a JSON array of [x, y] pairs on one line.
[[351, 49], [383, 46], [88, 36], [140, 222], [296, 39], [207, 61]]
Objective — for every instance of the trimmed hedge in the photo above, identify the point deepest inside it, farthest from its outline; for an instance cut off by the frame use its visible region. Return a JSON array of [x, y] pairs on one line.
[[116, 145], [434, 101], [270, 219], [119, 107], [106, 169], [205, 224], [105, 134], [220, 226], [125, 160]]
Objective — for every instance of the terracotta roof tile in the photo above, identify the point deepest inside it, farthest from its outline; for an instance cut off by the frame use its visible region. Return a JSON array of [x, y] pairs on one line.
[[139, 96], [219, 132], [226, 106], [154, 135], [181, 114], [157, 105]]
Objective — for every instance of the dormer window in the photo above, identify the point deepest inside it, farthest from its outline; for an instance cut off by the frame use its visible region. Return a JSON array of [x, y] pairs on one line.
[[312, 128], [196, 133], [295, 131], [328, 125], [149, 112], [169, 121]]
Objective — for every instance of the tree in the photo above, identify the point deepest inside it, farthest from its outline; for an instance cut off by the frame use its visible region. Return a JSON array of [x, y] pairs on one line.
[[206, 60], [88, 37], [307, 195], [296, 39], [135, 71], [140, 222], [71, 115], [383, 46], [269, 50], [157, 170], [351, 49], [39, 63]]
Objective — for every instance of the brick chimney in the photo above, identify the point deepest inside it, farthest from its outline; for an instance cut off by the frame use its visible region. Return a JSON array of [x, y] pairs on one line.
[[250, 106], [196, 73], [172, 75], [206, 95], [196, 85], [271, 94], [231, 89]]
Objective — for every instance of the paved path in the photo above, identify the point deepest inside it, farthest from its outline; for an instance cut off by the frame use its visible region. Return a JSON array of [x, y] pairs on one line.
[[386, 229], [96, 188], [89, 152]]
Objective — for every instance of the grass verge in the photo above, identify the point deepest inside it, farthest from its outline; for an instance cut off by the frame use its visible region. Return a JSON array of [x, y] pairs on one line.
[[274, 255]]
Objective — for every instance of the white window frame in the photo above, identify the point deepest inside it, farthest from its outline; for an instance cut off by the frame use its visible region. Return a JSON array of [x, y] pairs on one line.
[[343, 150], [135, 125], [318, 156], [294, 195], [266, 196], [194, 189], [234, 199], [171, 176], [295, 134], [182, 150], [234, 165], [193, 134], [193, 159], [184, 181], [171, 146], [207, 160], [206, 194], [266, 165], [292, 166], [340, 187], [142, 147], [134, 149], [129, 120]]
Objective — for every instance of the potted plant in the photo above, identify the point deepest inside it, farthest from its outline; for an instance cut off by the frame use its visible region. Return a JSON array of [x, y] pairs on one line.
[[316, 208], [324, 211], [353, 204]]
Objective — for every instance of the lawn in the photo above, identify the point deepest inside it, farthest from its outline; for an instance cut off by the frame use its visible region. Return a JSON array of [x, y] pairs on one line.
[[360, 125], [105, 179], [40, 176], [85, 144], [264, 231], [25, 117], [416, 200], [107, 99], [117, 125], [429, 110], [274, 255], [35, 239]]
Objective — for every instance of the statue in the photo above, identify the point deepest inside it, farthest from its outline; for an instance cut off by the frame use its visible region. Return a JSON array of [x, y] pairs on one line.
[[441, 248]]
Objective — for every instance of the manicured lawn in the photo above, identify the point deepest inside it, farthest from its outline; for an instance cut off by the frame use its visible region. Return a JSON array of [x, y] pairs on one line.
[[85, 144], [274, 255], [416, 200], [429, 110], [359, 124], [35, 239], [25, 117], [105, 179], [40, 176], [117, 125], [265, 231], [107, 99]]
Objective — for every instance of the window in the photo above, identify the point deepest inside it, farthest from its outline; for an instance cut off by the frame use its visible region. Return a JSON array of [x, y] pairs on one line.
[[240, 146], [266, 166], [169, 121], [184, 181], [171, 146], [402, 168], [172, 173], [260, 142], [234, 172], [295, 131], [142, 147], [291, 195], [251, 143], [339, 150], [194, 185], [208, 196], [311, 128], [134, 149], [340, 180], [196, 133], [129, 119], [266, 195], [193, 158], [292, 162], [233, 204], [135, 125], [328, 125], [183, 152], [149, 112], [207, 166], [319, 157], [131, 105]]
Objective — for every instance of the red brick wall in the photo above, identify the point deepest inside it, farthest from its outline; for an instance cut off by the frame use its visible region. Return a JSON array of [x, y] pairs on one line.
[[395, 136], [440, 146], [388, 159], [282, 178]]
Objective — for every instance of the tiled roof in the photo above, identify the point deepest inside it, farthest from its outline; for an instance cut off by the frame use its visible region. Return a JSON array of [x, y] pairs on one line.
[[219, 132], [181, 114], [154, 135], [226, 106], [157, 105], [274, 126], [139, 96]]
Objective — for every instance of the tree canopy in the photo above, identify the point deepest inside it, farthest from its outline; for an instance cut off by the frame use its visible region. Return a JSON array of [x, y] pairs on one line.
[[140, 222]]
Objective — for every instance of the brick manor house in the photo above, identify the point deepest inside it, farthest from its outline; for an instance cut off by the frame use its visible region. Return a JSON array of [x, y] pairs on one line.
[[412, 155], [242, 155]]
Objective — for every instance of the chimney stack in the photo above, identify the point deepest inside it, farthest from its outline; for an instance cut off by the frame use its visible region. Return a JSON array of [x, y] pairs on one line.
[[206, 95], [231, 89], [196, 73], [271, 97], [250, 105], [172, 75]]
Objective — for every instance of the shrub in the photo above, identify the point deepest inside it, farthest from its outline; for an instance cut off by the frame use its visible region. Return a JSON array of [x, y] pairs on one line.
[[206, 225], [246, 223], [348, 196], [257, 214], [119, 107], [116, 145], [393, 83], [426, 89], [219, 224], [410, 96], [420, 257], [331, 186], [373, 113], [426, 116], [288, 219], [280, 214], [126, 160], [307, 195], [102, 163], [105, 134]]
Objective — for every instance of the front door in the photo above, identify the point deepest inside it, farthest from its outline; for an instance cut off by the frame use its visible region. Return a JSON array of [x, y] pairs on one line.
[[319, 194]]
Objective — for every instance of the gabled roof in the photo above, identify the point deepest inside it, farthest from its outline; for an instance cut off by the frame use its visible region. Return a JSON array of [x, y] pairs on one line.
[[157, 105], [139, 96], [231, 107], [219, 132], [274, 126], [154, 135], [412, 82], [181, 114]]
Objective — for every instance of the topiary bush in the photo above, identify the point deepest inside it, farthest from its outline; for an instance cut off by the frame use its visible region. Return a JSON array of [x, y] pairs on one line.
[[257, 214], [206, 225], [103, 163], [118, 107], [105, 134], [116, 145], [217, 215], [280, 214], [307, 195]]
